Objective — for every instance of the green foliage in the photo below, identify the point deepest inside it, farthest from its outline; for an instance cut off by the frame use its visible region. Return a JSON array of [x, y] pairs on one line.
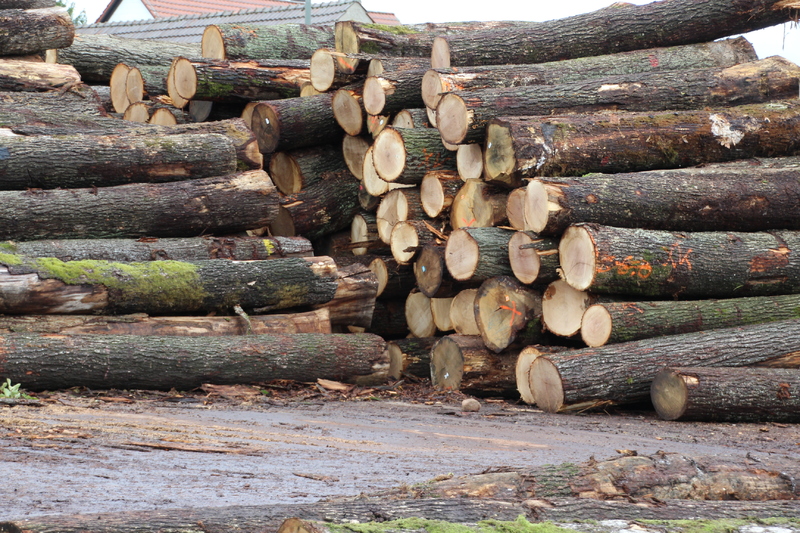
[[79, 19], [7, 390]]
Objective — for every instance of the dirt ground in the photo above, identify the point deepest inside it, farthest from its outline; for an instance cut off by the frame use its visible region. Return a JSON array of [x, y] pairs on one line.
[[108, 451]]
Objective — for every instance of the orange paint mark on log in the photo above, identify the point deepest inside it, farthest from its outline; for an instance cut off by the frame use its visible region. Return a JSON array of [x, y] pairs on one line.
[[626, 267], [513, 310], [774, 258], [677, 258]]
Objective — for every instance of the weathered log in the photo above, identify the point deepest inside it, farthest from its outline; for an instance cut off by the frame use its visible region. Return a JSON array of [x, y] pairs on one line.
[[78, 100], [295, 123], [354, 301], [317, 321], [221, 205], [281, 41], [515, 208], [533, 259], [125, 362], [394, 280], [393, 91], [85, 161], [506, 311], [626, 142], [469, 161], [26, 4], [354, 149], [30, 31], [411, 118], [120, 98], [393, 64], [364, 235], [612, 322], [50, 286], [389, 319], [727, 394], [478, 204], [433, 278], [176, 249], [655, 263], [295, 170], [410, 357], [331, 69], [724, 53], [460, 362], [462, 115], [616, 28], [462, 313], [478, 253], [408, 237], [348, 110], [622, 373], [18, 75], [438, 190], [398, 205], [154, 80], [405, 155], [418, 315]]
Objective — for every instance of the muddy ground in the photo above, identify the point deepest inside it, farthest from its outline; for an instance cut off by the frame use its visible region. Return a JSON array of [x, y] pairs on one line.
[[110, 451]]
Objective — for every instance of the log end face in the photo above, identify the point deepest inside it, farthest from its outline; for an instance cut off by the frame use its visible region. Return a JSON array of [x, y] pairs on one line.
[[440, 53], [184, 80], [429, 270], [285, 173], [469, 161], [283, 225], [577, 256], [381, 271], [452, 118], [545, 383], [669, 394], [266, 126], [419, 316], [212, 45], [522, 373], [536, 206], [359, 232], [503, 308], [461, 255], [499, 160], [354, 149], [596, 326], [432, 86], [462, 313], [404, 242], [323, 70], [389, 154], [395, 361], [431, 194], [562, 308], [447, 365], [374, 97], [525, 262], [347, 112]]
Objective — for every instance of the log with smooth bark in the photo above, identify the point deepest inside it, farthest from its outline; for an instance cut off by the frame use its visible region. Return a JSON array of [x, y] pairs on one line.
[[507, 311], [295, 170], [612, 322], [393, 91], [295, 123], [461, 362], [533, 259], [627, 142], [51, 286], [19, 75], [616, 28], [478, 253], [30, 31], [622, 373], [126, 362], [462, 115], [410, 357], [280, 41], [433, 278], [418, 315], [220, 205], [438, 190], [665, 264], [89, 160], [405, 155], [727, 394], [478, 204]]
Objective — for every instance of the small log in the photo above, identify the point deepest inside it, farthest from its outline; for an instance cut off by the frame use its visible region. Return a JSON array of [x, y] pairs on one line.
[[222, 205], [348, 110], [376, 124], [354, 301], [408, 237], [137, 112], [406, 155], [438, 190], [364, 235], [295, 123], [375, 186], [440, 311], [118, 84], [522, 373], [506, 311], [354, 150], [295, 170], [664, 264], [393, 91], [621, 374], [281, 41], [515, 208], [533, 259], [143, 325], [394, 280], [460, 362], [462, 313], [85, 161], [478, 253], [469, 161], [17, 107], [30, 31], [410, 357], [19, 75], [478, 204], [411, 118], [563, 307], [153, 79], [433, 278], [418, 315], [612, 322], [398, 205], [325, 72], [727, 394], [168, 116], [462, 115]]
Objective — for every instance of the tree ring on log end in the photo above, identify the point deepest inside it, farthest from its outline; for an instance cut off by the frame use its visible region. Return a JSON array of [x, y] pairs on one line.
[[392, 209], [576, 252], [285, 173], [596, 326], [379, 268], [347, 112], [374, 98], [440, 53], [498, 156], [404, 237], [545, 384], [522, 373], [525, 262], [185, 78], [462, 313], [267, 128], [452, 118], [461, 255], [447, 364], [429, 270], [536, 207], [562, 308], [469, 161], [419, 316], [669, 394], [389, 154], [323, 69], [354, 150], [432, 87], [212, 45], [431, 194]]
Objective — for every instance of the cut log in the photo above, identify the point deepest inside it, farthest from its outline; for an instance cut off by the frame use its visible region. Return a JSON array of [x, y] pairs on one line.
[[376, 124], [295, 170], [724, 53], [627, 142], [354, 301], [30, 31], [142, 325], [460, 362], [398, 205], [364, 235], [408, 237], [411, 118], [393, 91], [462, 313], [418, 315], [354, 150], [438, 190], [478, 253], [440, 311], [389, 319], [392, 64], [433, 278], [325, 71], [137, 112], [612, 322], [394, 280], [220, 205], [462, 115], [26, 4], [348, 110], [168, 116], [18, 75], [533, 259], [515, 208], [221, 80], [410, 357], [295, 123], [134, 85], [469, 161], [563, 307], [50, 286], [506, 311], [119, 87], [478, 204], [85, 161], [154, 79], [175, 249], [79, 100], [618, 374], [405, 155], [616, 28], [664, 264], [522, 372], [125, 362], [280, 41], [727, 394]]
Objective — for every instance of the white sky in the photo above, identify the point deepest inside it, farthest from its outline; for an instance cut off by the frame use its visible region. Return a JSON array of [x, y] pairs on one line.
[[783, 40]]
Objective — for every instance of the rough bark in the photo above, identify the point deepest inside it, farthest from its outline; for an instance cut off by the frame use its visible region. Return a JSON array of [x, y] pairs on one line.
[[98, 161], [410, 357], [154, 79], [655, 263], [353, 303], [393, 91], [394, 280], [438, 190], [506, 311], [627, 142], [618, 374], [478, 204], [460, 362], [727, 394], [533, 259], [20, 75], [394, 64], [405, 155], [295, 170], [281, 41], [30, 31], [219, 205], [26, 4], [462, 115], [613, 322], [51, 286], [295, 123], [433, 278], [478, 253], [78, 100]]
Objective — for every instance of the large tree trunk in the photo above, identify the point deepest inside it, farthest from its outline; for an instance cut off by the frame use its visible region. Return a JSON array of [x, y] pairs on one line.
[[576, 145], [78, 100], [31, 31], [508, 312], [219, 205], [619, 374], [295, 123], [19, 75], [183, 363], [78, 161], [664, 264], [727, 394], [612, 322], [462, 116], [703, 55], [281, 41], [478, 253], [50, 286], [405, 155], [616, 28], [460, 362], [393, 91]]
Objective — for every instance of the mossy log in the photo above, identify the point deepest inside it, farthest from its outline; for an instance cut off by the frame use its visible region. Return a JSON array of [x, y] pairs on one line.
[[533, 259], [616, 28], [220, 205], [462, 115], [98, 161], [478, 253], [295, 123], [294, 170], [30, 31], [613, 322], [507, 312], [19, 75], [393, 91], [462, 362], [78, 100], [727, 394], [281, 41], [410, 357], [627, 142], [618, 374], [665, 264], [404, 155]]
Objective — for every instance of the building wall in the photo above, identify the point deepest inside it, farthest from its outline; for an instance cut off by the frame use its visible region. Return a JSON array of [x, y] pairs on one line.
[[130, 10]]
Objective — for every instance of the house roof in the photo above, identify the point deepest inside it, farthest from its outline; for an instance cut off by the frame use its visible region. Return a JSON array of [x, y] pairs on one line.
[[176, 8], [189, 28]]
